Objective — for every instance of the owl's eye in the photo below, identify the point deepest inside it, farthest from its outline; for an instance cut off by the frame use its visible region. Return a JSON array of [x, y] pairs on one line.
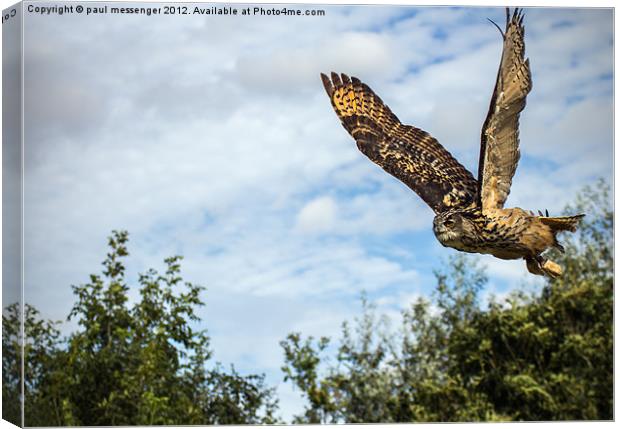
[[450, 222]]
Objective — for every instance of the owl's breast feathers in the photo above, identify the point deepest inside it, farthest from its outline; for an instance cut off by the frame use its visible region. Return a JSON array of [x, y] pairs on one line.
[[509, 233]]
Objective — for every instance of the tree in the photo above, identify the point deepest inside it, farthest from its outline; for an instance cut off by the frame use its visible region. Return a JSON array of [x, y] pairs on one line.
[[385, 376], [140, 364], [537, 356], [40, 365], [11, 364], [356, 391]]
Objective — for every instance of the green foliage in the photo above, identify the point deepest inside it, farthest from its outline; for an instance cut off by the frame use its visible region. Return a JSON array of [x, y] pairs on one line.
[[546, 356], [41, 345], [305, 374], [360, 384], [40, 368], [140, 364], [11, 364], [232, 399]]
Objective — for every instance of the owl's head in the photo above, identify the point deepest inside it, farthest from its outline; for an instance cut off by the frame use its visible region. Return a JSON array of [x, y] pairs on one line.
[[452, 229]]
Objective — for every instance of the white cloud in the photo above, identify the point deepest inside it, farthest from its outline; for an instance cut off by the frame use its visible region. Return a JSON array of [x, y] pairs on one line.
[[318, 215], [581, 138], [297, 67]]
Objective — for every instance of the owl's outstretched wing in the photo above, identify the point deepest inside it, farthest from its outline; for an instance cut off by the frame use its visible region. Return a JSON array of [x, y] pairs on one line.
[[407, 153], [499, 151]]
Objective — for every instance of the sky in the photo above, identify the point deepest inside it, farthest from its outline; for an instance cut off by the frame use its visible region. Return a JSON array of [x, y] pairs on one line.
[[211, 137]]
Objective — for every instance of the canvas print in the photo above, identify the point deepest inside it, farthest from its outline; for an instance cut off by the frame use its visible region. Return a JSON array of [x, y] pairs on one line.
[[296, 213]]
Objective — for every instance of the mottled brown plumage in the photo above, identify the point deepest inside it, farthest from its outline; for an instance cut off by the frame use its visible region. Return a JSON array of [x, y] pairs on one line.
[[469, 213], [406, 152], [499, 152]]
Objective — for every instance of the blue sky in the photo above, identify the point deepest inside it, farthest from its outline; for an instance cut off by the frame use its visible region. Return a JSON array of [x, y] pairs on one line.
[[212, 137]]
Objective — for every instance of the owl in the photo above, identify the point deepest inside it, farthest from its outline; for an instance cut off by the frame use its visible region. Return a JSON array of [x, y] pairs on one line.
[[469, 212]]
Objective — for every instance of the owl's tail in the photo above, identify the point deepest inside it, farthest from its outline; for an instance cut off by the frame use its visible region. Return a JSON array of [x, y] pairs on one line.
[[562, 223]]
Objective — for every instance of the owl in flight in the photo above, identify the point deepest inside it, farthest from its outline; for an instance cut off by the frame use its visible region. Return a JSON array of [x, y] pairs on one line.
[[469, 213]]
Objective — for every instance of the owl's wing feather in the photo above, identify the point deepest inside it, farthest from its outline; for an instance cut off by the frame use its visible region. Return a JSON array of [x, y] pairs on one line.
[[499, 151], [406, 152]]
